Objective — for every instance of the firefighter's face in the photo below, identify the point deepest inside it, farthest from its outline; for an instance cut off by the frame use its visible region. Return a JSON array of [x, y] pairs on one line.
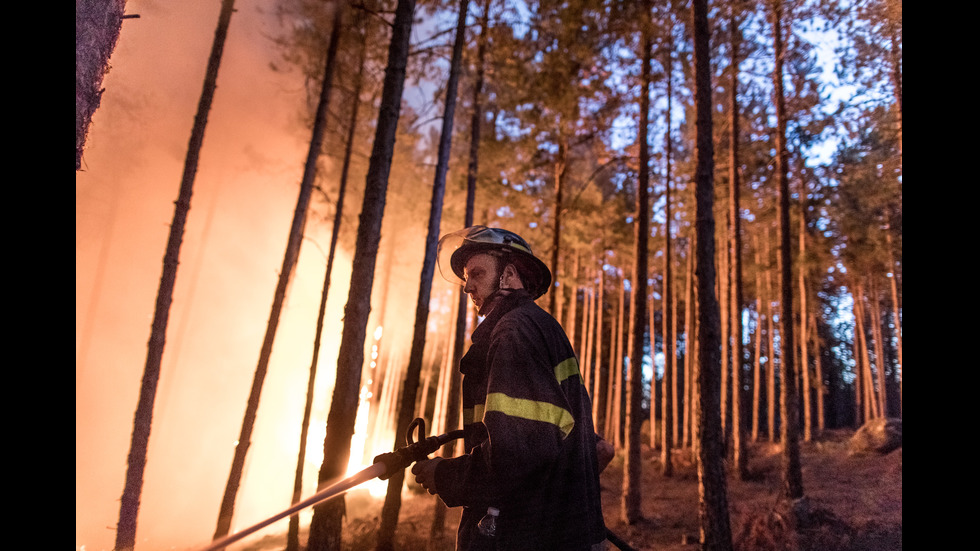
[[482, 278]]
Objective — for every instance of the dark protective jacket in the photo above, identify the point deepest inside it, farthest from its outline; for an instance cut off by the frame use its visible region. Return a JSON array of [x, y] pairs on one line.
[[530, 441]]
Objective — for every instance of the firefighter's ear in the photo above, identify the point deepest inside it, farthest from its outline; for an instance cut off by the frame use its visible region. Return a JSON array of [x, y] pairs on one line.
[[509, 279]]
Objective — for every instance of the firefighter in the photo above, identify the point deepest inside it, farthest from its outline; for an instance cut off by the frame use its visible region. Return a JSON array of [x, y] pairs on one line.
[[530, 476]]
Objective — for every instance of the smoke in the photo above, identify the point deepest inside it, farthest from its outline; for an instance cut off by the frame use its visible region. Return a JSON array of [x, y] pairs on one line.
[[244, 196]]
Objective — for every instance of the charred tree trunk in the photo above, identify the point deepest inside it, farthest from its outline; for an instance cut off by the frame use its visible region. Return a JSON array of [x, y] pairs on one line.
[[453, 400], [285, 275], [325, 529], [292, 535], [406, 410]]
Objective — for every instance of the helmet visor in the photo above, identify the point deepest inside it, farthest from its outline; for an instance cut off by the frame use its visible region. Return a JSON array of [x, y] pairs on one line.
[[444, 253]]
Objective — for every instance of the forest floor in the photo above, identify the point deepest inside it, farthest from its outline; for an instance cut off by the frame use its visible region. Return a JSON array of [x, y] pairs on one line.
[[853, 502]]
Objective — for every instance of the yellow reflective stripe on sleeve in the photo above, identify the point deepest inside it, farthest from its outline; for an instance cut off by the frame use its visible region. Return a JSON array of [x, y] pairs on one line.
[[566, 369], [473, 414], [533, 410]]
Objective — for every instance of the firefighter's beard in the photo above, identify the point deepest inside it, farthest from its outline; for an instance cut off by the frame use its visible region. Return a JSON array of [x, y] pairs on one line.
[[493, 298]]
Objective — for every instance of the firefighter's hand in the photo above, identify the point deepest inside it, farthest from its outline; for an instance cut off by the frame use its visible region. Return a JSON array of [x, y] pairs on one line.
[[425, 473]]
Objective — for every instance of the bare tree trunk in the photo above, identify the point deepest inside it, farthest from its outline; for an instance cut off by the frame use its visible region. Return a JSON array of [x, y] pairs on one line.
[[588, 321], [292, 535], [601, 372], [804, 348], [573, 307], [285, 275], [616, 394], [817, 357], [757, 369], [716, 532], [793, 477], [863, 358], [143, 418], [724, 301], [560, 171], [476, 122], [669, 399], [325, 530], [740, 456], [877, 334], [632, 468], [771, 364], [615, 365], [689, 350], [896, 310], [406, 411]]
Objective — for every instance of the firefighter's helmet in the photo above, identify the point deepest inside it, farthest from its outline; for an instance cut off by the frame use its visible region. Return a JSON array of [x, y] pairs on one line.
[[456, 248]]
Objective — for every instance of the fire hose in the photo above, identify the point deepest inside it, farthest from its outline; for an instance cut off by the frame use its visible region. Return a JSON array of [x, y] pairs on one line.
[[384, 467]]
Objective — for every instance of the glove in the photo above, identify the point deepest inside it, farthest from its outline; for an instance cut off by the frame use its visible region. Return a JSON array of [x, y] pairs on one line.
[[425, 473]]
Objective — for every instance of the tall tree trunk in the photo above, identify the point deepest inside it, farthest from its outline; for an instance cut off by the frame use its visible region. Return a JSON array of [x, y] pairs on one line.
[[588, 321], [804, 330], [632, 468], [472, 172], [617, 393], [406, 410], [896, 310], [292, 534], [716, 532], [877, 334], [896, 77], [740, 455], [724, 301], [601, 372], [560, 171], [690, 416], [695, 352], [863, 359], [615, 365], [757, 369], [792, 473], [818, 363], [143, 418], [325, 529], [771, 386], [669, 399], [654, 395], [572, 283]]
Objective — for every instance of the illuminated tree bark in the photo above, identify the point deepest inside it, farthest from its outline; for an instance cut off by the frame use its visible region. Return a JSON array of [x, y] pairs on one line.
[[292, 535], [143, 418], [472, 171], [632, 469], [670, 365], [406, 410], [739, 450], [290, 258], [325, 529], [789, 433], [712, 489]]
